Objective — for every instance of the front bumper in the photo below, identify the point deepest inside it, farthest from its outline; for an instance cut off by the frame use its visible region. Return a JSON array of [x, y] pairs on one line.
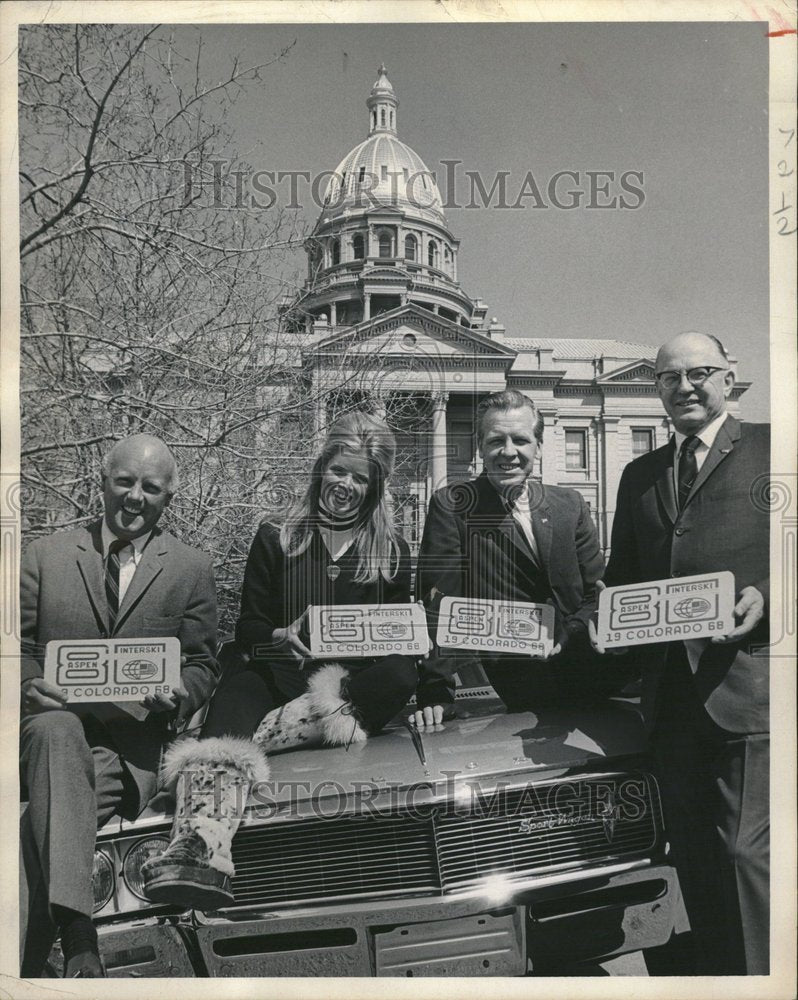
[[595, 917]]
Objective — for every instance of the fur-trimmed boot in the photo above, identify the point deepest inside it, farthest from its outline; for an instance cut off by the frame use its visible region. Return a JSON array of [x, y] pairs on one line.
[[211, 780], [322, 715]]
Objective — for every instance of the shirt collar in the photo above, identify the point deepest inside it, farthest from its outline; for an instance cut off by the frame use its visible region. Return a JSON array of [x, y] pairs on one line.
[[138, 543], [706, 436]]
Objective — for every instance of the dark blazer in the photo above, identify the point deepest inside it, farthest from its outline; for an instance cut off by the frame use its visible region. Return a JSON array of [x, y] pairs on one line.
[[277, 589], [62, 596], [473, 547], [723, 526]]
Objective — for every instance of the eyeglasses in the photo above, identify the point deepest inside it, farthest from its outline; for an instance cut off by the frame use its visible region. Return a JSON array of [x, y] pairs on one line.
[[695, 376]]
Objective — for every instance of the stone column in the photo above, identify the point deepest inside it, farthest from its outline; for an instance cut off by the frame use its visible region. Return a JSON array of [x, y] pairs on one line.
[[367, 305], [609, 477], [438, 444], [333, 314]]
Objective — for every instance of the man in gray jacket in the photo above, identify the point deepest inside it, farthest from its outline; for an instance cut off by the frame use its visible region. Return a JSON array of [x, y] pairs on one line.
[[121, 576]]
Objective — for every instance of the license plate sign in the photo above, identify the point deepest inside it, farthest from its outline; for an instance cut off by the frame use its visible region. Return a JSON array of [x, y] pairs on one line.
[[367, 630], [113, 670], [498, 626], [687, 607]]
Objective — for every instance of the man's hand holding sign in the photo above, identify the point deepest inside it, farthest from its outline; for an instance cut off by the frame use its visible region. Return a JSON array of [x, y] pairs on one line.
[[690, 547], [118, 622], [506, 540]]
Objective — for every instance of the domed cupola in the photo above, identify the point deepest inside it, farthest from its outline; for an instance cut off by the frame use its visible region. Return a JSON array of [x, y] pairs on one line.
[[381, 239], [382, 104], [382, 170]]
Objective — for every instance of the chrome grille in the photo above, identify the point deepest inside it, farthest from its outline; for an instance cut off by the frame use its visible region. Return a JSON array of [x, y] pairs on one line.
[[521, 832], [519, 835], [337, 858]]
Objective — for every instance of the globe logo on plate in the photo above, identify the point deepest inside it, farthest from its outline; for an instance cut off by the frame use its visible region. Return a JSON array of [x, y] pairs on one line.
[[692, 607], [520, 627], [391, 630], [139, 670]]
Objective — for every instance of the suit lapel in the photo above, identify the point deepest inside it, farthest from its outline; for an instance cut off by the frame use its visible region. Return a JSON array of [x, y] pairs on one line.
[[90, 565], [148, 569], [541, 524], [664, 482], [492, 506], [722, 446]]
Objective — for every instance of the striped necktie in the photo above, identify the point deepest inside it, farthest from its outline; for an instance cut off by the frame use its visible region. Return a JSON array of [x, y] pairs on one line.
[[112, 580]]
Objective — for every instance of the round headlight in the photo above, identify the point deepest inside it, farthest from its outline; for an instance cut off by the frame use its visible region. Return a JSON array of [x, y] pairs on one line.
[[140, 852], [102, 879]]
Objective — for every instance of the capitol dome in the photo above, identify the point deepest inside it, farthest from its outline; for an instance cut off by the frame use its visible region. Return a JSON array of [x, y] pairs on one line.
[[383, 170], [381, 240]]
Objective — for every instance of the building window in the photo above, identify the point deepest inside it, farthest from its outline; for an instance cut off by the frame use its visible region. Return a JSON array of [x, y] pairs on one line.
[[382, 117], [410, 247], [336, 252], [385, 245], [432, 254], [357, 246], [361, 175], [383, 172], [576, 450], [642, 441]]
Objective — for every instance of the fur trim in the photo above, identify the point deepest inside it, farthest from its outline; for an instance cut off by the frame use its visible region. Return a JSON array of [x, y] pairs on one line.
[[238, 756], [339, 726]]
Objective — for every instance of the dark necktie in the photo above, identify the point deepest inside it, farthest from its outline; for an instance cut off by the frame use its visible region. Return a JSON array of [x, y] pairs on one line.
[[112, 580], [688, 468]]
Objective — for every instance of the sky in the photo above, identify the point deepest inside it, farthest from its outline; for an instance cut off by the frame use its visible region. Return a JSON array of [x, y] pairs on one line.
[[685, 104]]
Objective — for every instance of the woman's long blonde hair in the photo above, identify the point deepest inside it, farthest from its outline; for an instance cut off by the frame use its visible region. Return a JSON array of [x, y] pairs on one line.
[[375, 538]]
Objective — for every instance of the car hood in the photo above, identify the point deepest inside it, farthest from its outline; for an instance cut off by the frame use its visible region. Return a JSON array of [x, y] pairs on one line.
[[484, 744]]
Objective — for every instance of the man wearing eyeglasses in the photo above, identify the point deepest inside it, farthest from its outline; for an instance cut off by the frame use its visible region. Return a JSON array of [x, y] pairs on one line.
[[684, 509]]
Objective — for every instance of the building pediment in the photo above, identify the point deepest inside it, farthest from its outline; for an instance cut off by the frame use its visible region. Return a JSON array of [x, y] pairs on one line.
[[411, 330], [641, 370], [379, 272]]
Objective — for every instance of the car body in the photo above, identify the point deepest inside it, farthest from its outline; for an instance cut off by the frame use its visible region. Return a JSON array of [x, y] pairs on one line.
[[497, 845]]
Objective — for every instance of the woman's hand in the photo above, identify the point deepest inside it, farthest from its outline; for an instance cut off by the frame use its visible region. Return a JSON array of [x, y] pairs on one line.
[[287, 640], [430, 718]]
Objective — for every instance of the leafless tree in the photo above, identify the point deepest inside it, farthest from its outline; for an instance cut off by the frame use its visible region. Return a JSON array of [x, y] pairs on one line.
[[149, 293]]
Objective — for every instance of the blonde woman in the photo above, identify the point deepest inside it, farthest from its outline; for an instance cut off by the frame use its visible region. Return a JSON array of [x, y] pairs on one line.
[[337, 546]]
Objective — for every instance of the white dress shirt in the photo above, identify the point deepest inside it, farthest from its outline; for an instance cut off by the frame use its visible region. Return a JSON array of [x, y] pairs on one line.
[[129, 557], [523, 517], [706, 437], [695, 647]]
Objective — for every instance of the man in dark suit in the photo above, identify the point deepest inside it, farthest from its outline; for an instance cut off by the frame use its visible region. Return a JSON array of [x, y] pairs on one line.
[[687, 508], [119, 577], [503, 536]]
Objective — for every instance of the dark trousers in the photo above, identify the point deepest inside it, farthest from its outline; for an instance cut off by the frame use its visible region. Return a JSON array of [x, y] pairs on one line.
[[575, 676], [715, 794], [378, 689], [72, 790]]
